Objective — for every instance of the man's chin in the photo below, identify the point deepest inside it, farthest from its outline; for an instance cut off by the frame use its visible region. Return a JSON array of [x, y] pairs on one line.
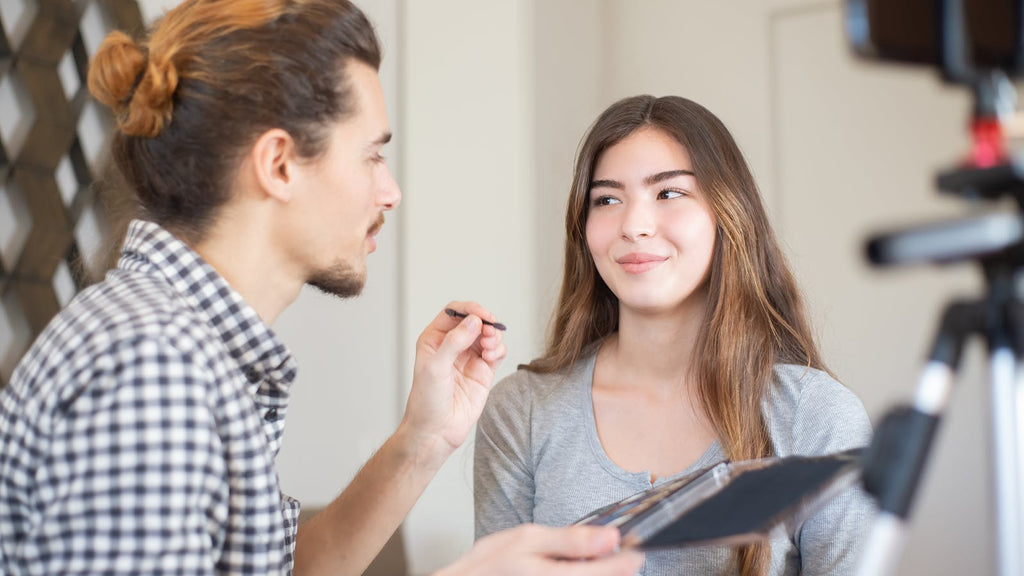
[[341, 283]]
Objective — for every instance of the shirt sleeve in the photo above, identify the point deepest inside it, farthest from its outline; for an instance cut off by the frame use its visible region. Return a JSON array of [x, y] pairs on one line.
[[134, 478], [830, 418], [502, 475]]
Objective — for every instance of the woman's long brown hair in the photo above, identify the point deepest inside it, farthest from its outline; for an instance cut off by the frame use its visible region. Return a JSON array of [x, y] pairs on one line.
[[755, 314]]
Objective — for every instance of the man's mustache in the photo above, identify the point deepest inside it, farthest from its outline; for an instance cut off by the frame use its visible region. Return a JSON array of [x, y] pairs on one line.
[[377, 225]]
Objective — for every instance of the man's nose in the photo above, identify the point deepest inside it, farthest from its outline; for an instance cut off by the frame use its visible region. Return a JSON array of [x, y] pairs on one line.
[[390, 195]]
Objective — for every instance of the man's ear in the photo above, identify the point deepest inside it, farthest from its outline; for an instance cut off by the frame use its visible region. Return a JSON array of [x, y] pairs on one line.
[[273, 161]]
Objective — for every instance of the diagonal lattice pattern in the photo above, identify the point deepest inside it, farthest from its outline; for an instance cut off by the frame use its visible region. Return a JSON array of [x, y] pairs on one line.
[[53, 144]]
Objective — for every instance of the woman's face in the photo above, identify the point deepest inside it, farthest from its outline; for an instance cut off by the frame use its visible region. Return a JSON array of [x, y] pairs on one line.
[[649, 230]]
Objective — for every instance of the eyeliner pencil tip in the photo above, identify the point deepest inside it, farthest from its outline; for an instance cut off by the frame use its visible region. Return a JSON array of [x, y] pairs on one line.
[[455, 314]]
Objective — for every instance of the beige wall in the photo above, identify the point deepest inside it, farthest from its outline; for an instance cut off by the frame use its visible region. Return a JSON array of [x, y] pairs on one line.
[[468, 175]]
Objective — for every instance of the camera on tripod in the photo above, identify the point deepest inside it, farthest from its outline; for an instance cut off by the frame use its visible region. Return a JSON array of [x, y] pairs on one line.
[[960, 37], [978, 44]]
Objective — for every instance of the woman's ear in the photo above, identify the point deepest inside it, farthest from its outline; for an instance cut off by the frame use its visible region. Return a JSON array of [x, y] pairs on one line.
[[273, 162]]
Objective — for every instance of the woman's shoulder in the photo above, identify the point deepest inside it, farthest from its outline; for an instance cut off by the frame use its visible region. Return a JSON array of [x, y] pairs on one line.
[[530, 385], [525, 399], [810, 412], [796, 384]]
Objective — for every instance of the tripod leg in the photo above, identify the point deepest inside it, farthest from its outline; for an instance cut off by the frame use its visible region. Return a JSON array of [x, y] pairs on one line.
[[895, 464], [1005, 433], [883, 547]]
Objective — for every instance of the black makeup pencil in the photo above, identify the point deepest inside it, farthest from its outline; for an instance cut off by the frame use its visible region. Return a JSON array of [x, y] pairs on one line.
[[455, 314]]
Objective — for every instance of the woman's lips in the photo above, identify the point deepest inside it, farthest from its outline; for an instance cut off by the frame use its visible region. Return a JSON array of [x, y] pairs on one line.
[[638, 262]]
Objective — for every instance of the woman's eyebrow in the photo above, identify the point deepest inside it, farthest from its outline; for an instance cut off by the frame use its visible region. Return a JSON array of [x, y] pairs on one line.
[[606, 184], [667, 175], [648, 181]]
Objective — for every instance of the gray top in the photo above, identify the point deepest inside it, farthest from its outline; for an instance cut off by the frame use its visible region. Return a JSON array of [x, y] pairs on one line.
[[538, 459]]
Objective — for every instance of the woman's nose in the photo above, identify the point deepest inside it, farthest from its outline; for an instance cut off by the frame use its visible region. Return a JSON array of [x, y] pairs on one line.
[[638, 221]]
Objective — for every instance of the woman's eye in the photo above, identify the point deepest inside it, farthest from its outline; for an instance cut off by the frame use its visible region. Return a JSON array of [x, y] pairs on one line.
[[669, 194], [605, 201]]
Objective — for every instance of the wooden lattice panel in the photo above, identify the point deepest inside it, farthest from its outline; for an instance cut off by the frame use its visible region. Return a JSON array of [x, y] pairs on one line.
[[53, 146]]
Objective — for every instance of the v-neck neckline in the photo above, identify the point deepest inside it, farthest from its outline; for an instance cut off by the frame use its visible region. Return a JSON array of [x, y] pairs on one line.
[[711, 455]]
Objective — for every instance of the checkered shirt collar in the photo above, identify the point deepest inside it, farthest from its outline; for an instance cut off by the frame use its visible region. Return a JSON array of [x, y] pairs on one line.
[[266, 362]]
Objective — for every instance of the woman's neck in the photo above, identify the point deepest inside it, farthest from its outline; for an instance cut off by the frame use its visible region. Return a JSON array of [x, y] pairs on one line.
[[656, 350]]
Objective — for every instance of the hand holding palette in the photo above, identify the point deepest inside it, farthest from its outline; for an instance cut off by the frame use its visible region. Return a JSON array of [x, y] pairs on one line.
[[728, 503]]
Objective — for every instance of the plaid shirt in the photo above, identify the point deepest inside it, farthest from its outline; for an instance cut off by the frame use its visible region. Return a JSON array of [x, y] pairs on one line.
[[138, 435]]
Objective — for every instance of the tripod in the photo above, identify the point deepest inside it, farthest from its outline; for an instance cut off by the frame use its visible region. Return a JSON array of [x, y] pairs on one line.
[[894, 463]]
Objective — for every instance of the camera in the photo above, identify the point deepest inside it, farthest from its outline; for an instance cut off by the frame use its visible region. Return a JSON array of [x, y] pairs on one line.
[[960, 37]]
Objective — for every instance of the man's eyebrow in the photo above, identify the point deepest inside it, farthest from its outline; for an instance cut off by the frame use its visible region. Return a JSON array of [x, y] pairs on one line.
[[667, 175]]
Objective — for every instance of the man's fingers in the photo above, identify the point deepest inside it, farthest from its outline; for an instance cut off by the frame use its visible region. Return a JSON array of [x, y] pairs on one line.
[[461, 316], [458, 340], [571, 551], [474, 309], [622, 564], [596, 544], [494, 356], [573, 542]]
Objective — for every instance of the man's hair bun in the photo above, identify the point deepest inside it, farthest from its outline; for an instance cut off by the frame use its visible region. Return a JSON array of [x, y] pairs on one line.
[[136, 87]]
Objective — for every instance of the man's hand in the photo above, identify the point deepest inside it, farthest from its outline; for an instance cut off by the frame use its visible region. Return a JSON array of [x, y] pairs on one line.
[[452, 375], [454, 369], [533, 549]]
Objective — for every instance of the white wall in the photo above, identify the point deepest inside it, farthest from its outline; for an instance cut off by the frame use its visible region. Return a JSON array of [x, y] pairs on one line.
[[467, 110], [570, 75]]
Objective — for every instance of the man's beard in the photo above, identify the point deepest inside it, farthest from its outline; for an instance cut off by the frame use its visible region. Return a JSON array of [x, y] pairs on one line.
[[342, 280], [339, 280]]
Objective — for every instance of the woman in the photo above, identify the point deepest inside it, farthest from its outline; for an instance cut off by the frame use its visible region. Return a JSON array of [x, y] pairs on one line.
[[679, 340]]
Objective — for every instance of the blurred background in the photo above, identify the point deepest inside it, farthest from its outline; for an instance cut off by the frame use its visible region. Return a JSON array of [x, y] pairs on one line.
[[488, 100]]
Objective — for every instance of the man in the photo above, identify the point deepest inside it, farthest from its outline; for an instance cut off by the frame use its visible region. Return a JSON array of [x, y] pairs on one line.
[[138, 434]]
